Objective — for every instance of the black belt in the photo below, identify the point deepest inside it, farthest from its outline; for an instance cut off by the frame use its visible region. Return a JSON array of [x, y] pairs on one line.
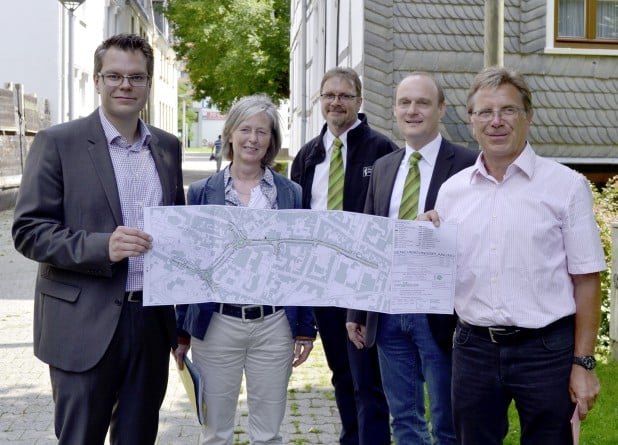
[[134, 296], [248, 312], [514, 334]]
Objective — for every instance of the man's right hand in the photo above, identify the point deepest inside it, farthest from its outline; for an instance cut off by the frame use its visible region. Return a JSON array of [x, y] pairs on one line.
[[356, 333], [126, 242], [431, 216]]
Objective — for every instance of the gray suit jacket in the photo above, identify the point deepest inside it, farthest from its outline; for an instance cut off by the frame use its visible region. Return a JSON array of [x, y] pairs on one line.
[[451, 159], [67, 208]]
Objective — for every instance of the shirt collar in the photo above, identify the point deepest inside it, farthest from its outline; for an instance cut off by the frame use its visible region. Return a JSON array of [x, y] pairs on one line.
[[113, 136], [267, 179], [329, 137], [524, 163], [429, 152], [267, 187]]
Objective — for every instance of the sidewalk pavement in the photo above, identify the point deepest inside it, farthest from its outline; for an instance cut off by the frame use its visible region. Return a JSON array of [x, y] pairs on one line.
[[26, 407]]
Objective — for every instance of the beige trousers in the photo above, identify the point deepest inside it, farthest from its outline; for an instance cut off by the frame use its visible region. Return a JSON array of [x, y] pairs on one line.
[[263, 350]]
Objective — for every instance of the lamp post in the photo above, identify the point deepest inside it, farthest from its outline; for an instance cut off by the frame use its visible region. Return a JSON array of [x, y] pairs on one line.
[[71, 6]]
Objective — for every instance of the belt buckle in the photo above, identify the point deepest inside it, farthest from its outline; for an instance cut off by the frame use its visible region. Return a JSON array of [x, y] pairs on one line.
[[500, 331], [251, 306], [494, 331], [130, 298]]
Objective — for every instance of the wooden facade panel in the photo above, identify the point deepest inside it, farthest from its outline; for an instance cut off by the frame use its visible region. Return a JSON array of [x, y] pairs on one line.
[[13, 142], [32, 119], [8, 120], [378, 65], [10, 158]]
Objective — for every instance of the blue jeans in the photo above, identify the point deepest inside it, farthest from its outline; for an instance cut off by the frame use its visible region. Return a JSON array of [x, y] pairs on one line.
[[408, 356], [534, 372]]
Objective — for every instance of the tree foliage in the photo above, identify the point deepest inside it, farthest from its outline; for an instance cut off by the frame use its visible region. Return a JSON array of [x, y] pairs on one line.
[[233, 48]]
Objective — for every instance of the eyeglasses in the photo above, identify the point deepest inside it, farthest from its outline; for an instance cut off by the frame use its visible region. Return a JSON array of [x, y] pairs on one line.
[[115, 80], [503, 113], [329, 97]]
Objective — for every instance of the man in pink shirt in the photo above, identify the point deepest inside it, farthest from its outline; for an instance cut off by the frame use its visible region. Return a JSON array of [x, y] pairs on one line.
[[528, 288]]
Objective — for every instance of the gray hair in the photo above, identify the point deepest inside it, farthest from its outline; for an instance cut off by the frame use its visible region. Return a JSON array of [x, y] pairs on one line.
[[245, 108]]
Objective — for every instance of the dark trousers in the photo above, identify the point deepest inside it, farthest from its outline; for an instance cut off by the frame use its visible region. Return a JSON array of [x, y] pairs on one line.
[[123, 392], [533, 371], [356, 379]]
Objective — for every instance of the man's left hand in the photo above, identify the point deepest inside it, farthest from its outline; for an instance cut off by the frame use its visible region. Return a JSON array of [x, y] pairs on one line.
[[584, 387]]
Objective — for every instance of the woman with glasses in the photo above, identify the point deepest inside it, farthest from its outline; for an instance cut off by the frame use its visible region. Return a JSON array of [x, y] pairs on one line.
[[264, 342]]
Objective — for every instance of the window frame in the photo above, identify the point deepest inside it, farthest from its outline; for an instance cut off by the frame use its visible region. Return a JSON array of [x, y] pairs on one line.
[[588, 41]]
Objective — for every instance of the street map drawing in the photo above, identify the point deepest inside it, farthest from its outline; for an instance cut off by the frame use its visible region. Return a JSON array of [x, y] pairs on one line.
[[241, 255]]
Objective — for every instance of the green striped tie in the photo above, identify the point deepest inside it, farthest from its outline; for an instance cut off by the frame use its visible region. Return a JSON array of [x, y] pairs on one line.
[[409, 200], [335, 177]]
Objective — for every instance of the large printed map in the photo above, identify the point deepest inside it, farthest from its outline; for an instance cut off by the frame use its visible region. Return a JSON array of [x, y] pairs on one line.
[[297, 257]]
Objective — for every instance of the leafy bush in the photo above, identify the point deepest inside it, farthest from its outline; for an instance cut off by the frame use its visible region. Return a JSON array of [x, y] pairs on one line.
[[281, 166], [606, 212]]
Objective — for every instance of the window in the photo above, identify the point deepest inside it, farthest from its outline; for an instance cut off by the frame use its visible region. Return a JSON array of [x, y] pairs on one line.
[[586, 24]]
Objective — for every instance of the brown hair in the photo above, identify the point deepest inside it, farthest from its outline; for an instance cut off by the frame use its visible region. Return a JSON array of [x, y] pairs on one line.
[[346, 73], [496, 76], [125, 42]]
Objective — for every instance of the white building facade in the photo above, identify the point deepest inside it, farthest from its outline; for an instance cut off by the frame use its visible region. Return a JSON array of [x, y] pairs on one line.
[[324, 35], [39, 58]]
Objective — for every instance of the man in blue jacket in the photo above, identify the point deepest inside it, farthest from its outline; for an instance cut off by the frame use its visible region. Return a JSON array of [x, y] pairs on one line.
[[347, 136]]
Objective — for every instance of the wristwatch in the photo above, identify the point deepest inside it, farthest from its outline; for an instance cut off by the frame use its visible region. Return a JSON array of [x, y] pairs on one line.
[[587, 361]]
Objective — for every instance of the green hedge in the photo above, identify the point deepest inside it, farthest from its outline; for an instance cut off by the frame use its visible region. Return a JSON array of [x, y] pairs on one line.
[[606, 212], [281, 166]]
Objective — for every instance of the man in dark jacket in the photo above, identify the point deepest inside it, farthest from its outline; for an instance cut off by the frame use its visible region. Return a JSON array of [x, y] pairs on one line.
[[346, 145], [414, 349], [79, 214]]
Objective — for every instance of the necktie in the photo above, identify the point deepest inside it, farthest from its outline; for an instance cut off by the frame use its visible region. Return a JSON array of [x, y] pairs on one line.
[[409, 200], [335, 177]]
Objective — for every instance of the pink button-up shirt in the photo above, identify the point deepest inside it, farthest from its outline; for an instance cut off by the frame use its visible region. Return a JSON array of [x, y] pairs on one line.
[[519, 241]]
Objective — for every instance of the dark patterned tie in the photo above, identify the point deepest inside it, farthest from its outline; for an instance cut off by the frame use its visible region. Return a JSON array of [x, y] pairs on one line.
[[409, 199], [335, 177]]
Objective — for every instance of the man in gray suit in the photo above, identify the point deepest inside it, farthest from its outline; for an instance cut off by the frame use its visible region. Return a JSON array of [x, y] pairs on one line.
[[413, 348], [79, 214]]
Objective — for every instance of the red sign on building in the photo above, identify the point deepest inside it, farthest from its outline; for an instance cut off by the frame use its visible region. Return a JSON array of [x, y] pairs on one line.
[[213, 116]]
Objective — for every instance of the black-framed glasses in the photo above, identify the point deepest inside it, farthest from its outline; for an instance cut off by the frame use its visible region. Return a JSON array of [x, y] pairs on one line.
[[503, 113], [330, 97], [115, 79]]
